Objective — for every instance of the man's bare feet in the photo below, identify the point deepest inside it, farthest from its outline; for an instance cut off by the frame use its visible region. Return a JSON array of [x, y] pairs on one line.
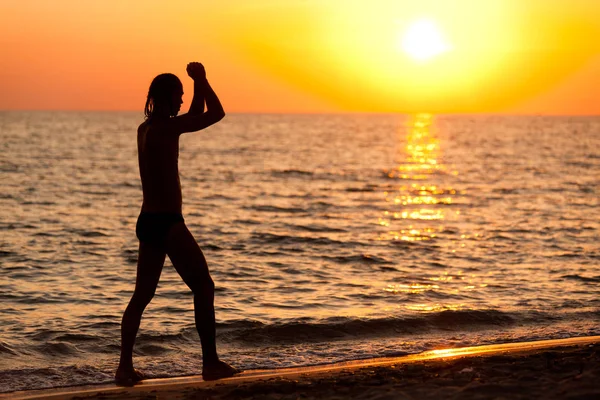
[[128, 377], [218, 370]]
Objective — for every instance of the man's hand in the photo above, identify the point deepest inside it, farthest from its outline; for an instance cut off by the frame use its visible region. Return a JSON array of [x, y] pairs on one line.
[[196, 71]]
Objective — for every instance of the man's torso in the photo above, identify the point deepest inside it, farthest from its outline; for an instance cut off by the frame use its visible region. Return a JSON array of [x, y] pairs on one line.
[[158, 154]]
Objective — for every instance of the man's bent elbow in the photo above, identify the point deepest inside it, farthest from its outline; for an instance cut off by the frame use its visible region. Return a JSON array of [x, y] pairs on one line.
[[211, 118], [219, 116]]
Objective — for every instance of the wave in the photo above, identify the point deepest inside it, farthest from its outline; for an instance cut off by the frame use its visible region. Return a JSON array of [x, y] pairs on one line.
[[288, 172], [57, 349], [218, 196], [6, 349], [87, 233], [338, 328], [16, 226], [45, 378], [366, 189], [575, 277], [300, 330], [25, 298], [273, 238], [5, 253], [268, 208], [77, 337], [315, 228], [38, 203], [342, 328], [358, 259]]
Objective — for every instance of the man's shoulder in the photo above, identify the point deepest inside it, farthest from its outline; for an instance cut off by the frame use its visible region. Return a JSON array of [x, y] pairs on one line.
[[157, 130], [146, 127], [143, 127]]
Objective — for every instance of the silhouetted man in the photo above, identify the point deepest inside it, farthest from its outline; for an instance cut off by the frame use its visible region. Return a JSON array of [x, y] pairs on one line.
[[160, 227]]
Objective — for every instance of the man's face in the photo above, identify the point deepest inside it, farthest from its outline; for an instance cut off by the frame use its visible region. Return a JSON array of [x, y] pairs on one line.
[[177, 101]]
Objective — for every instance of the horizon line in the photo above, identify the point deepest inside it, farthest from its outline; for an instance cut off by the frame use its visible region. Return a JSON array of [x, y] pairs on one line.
[[492, 113]]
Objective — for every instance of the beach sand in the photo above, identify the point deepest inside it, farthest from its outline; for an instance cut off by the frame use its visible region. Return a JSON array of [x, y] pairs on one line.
[[558, 369]]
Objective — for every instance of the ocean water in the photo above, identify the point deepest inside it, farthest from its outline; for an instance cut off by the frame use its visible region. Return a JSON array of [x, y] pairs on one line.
[[329, 237]]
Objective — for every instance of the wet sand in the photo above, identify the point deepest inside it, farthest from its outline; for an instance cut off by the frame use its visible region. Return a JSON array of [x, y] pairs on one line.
[[567, 369], [572, 373]]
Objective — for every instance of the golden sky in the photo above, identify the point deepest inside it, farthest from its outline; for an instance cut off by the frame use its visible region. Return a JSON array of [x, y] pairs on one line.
[[447, 56]]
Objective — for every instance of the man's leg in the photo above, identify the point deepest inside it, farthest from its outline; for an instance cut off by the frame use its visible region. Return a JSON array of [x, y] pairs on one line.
[[150, 263], [188, 260]]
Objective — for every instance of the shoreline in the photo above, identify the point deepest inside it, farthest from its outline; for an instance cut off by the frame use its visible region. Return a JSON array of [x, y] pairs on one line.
[[489, 370]]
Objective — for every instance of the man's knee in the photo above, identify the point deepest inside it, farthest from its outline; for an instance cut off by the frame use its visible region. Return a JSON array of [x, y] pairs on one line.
[[142, 299], [204, 287]]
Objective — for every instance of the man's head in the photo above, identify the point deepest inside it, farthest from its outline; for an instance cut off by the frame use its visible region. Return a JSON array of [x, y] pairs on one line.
[[165, 94]]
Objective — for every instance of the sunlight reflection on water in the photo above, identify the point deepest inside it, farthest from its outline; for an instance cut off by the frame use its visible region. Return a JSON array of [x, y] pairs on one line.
[[421, 197]]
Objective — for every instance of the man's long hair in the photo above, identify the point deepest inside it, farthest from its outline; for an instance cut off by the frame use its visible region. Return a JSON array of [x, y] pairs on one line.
[[161, 90]]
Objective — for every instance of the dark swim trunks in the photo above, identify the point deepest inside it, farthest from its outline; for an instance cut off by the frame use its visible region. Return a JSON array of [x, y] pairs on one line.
[[154, 227]]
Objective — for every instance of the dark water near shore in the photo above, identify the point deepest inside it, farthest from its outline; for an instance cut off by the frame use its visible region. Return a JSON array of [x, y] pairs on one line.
[[329, 237]]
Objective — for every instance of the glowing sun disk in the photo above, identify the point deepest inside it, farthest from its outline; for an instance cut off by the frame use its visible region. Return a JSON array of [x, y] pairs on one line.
[[423, 40]]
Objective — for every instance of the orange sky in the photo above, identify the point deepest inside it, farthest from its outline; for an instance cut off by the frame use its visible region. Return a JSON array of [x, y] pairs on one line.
[[506, 56]]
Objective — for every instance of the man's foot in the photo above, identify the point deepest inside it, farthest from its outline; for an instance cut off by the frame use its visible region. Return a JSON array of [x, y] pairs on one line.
[[218, 370], [128, 377]]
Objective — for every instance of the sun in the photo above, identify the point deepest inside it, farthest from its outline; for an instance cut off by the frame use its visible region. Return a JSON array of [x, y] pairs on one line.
[[423, 40]]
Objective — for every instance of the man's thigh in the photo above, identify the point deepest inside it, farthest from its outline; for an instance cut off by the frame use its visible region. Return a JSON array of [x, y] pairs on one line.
[[186, 256]]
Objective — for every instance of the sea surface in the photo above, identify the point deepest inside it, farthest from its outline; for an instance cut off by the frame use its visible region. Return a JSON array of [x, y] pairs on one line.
[[329, 237]]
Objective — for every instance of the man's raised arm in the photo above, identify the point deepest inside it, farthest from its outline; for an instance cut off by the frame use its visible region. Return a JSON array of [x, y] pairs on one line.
[[213, 104], [196, 71], [197, 119]]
